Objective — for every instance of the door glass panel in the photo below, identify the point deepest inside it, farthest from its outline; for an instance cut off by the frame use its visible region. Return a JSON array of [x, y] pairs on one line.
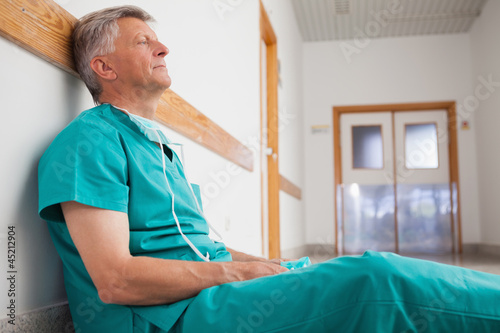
[[368, 218], [421, 150], [367, 149], [424, 218]]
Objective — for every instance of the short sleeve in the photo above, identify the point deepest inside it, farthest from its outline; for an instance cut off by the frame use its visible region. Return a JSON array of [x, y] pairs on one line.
[[85, 163]]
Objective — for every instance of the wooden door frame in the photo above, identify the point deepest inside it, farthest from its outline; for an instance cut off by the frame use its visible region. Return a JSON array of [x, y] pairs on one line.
[[450, 107], [269, 37]]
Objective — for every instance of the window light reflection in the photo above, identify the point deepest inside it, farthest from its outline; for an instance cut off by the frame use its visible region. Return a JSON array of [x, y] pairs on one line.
[[354, 190]]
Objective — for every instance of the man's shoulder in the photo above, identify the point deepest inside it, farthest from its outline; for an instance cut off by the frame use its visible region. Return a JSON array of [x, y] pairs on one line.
[[101, 120], [91, 127], [102, 117]]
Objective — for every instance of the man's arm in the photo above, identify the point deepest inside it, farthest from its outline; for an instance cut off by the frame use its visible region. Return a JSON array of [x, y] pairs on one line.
[[102, 239]]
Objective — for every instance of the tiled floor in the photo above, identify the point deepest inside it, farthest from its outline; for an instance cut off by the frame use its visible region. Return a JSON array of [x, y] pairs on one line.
[[480, 262]]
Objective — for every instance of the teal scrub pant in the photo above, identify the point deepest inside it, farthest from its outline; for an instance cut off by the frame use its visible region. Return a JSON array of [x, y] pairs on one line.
[[375, 292]]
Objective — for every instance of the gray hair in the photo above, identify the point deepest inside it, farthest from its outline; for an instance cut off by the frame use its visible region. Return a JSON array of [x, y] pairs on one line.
[[95, 35]]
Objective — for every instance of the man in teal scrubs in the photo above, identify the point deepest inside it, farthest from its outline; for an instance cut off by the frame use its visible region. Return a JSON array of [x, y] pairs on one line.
[[134, 242]]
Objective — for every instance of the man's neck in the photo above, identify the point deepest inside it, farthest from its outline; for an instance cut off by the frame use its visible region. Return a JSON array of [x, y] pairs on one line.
[[142, 106]]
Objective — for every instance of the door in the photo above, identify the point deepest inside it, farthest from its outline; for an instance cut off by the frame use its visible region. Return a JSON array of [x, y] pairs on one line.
[[368, 191], [395, 182], [424, 217]]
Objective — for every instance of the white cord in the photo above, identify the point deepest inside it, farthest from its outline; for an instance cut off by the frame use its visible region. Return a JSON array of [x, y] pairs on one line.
[[194, 196], [204, 258]]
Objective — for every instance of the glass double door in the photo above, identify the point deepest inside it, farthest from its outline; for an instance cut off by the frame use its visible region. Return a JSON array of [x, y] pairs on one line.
[[395, 192]]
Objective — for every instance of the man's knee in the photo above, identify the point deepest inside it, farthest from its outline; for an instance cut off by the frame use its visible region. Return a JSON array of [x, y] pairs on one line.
[[382, 264]]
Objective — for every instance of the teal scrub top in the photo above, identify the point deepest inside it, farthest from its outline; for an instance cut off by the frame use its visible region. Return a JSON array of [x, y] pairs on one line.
[[102, 159]]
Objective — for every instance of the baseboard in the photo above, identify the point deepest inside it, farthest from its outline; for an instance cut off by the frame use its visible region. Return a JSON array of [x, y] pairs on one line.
[[294, 253], [480, 248], [490, 249], [56, 318], [316, 252], [321, 251], [471, 248]]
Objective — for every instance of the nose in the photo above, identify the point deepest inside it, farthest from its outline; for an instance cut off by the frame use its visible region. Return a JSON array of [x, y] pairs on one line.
[[161, 50]]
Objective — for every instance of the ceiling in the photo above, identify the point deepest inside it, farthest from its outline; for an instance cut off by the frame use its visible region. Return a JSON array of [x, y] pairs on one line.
[[323, 20]]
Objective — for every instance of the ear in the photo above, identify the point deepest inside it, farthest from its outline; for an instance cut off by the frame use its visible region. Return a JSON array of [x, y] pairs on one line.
[[103, 69]]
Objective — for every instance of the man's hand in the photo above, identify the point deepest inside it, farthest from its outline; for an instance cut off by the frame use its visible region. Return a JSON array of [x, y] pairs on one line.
[[280, 260], [243, 257], [256, 269]]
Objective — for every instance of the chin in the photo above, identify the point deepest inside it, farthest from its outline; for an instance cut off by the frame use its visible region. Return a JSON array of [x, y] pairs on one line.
[[167, 85], [164, 84], [167, 82]]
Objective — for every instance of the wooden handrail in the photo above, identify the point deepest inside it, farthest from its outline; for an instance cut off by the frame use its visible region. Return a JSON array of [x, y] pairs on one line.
[[290, 188], [44, 28]]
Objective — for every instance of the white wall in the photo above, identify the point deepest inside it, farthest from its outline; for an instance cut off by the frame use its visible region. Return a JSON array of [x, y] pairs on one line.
[[397, 70], [486, 63], [37, 101], [214, 65]]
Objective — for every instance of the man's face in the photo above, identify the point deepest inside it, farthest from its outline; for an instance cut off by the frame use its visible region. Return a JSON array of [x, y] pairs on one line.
[[138, 59]]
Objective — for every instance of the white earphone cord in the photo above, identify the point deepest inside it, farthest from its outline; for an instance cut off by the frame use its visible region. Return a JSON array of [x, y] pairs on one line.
[[194, 196], [193, 247]]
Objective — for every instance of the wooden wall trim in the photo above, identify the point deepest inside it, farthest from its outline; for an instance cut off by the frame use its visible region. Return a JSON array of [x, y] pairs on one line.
[[266, 29], [41, 27], [174, 112], [44, 28], [288, 187]]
